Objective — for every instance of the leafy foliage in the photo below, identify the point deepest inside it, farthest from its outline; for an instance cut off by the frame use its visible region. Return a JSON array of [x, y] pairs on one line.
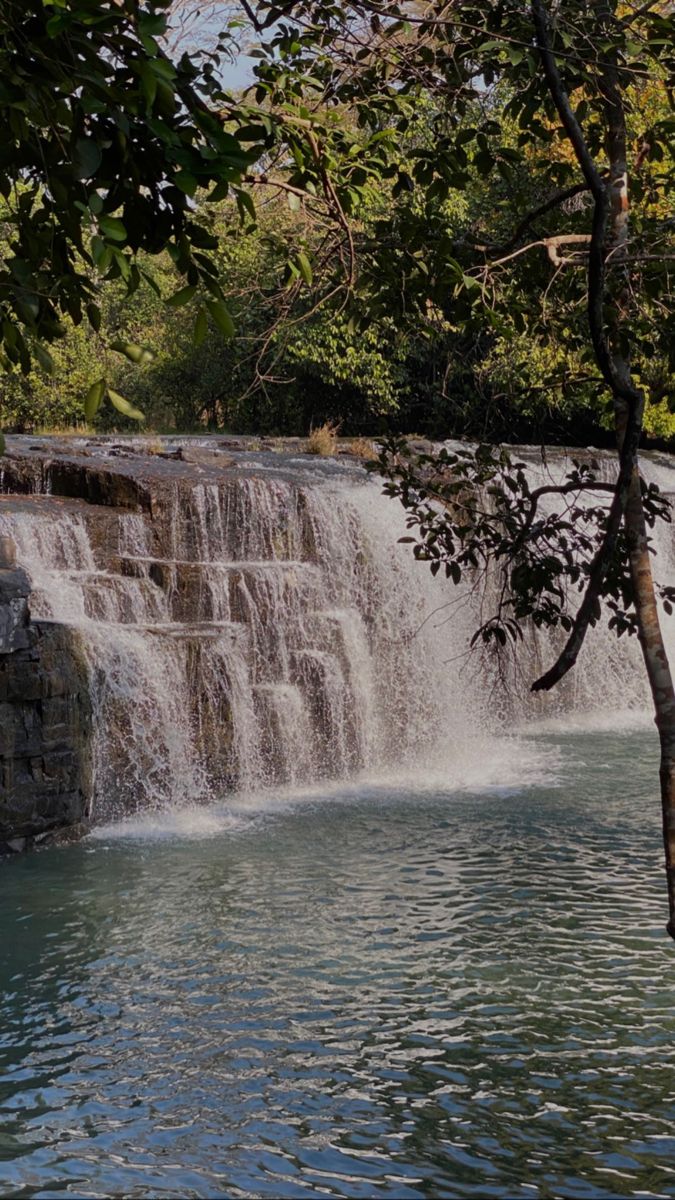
[[545, 107], [474, 515], [382, 163], [104, 142]]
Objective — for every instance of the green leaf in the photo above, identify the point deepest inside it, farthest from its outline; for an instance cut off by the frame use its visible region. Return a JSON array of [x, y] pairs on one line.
[[45, 359], [94, 315], [152, 24], [149, 84], [219, 192], [305, 267], [182, 296], [87, 158], [93, 399], [123, 406], [56, 24], [245, 205], [101, 254], [113, 228], [136, 354], [9, 334], [164, 69], [149, 44], [186, 182], [294, 202], [221, 316], [201, 328]]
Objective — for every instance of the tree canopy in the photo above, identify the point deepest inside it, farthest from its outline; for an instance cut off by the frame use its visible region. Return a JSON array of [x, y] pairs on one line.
[[105, 141], [122, 144]]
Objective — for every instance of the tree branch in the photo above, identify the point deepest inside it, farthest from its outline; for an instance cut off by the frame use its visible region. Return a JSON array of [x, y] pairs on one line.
[[255, 180], [596, 184], [565, 489], [622, 388], [547, 206], [589, 606], [252, 16], [551, 244]]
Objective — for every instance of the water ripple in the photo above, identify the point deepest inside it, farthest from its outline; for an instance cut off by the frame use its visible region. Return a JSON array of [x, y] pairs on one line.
[[397, 996]]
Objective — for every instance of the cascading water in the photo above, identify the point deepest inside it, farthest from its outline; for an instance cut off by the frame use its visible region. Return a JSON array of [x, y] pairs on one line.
[[263, 627], [608, 685], [260, 631]]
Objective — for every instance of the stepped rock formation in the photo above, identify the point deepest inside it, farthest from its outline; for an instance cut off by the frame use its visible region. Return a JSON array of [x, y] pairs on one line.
[[179, 620], [200, 622]]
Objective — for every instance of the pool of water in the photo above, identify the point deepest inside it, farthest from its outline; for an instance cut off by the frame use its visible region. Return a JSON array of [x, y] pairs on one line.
[[381, 992]]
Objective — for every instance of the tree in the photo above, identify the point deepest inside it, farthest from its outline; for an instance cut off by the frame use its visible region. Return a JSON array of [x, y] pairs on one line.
[[105, 141], [109, 133], [576, 80]]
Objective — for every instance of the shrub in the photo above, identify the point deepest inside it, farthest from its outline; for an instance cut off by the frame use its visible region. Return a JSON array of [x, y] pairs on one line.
[[323, 440]]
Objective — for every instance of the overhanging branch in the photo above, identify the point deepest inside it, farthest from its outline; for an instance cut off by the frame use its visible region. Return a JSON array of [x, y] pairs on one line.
[[621, 387], [589, 605]]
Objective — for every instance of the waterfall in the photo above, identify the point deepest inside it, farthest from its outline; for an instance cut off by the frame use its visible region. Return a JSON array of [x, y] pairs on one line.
[[259, 631], [265, 627]]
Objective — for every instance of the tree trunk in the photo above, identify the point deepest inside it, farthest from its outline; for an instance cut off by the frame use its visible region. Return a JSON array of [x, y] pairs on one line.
[[612, 304], [629, 405], [658, 673]]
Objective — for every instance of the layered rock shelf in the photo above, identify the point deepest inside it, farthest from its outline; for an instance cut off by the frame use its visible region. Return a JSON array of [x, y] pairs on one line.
[[184, 619], [181, 619]]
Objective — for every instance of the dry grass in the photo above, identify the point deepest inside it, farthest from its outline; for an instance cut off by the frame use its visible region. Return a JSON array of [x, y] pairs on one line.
[[362, 448], [79, 430], [323, 440]]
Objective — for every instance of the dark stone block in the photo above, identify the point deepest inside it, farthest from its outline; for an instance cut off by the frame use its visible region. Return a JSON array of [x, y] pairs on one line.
[[45, 736], [14, 614], [7, 552], [14, 584], [20, 679]]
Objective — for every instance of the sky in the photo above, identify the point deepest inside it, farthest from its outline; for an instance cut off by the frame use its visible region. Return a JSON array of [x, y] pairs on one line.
[[236, 74]]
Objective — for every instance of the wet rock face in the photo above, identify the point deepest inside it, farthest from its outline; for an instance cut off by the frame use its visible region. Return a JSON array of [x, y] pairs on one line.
[[74, 476], [45, 722], [14, 618]]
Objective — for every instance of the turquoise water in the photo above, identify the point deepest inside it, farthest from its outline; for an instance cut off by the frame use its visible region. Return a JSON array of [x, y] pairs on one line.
[[380, 992]]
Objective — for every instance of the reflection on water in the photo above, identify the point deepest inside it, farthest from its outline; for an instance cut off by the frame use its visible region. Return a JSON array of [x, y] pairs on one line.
[[378, 995]]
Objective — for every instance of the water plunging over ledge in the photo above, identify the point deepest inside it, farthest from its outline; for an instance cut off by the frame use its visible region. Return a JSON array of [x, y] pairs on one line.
[[250, 620]]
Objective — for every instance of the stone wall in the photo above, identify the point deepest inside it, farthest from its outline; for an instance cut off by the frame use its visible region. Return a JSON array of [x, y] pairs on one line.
[[45, 720]]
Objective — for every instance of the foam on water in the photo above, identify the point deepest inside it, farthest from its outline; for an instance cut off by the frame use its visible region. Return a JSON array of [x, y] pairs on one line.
[[500, 767], [188, 822], [629, 720]]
